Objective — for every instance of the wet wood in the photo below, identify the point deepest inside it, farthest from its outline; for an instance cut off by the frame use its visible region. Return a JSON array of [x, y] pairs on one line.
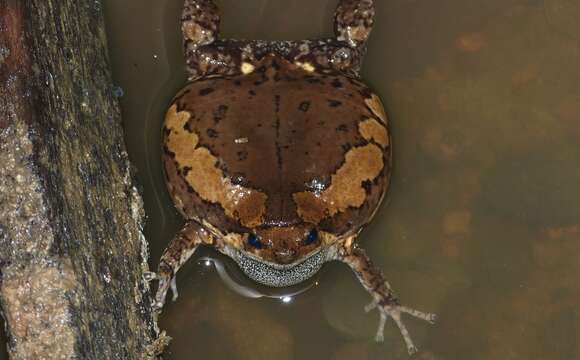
[[72, 252]]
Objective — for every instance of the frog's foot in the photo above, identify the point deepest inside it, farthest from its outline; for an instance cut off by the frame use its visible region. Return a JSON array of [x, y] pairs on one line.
[[199, 22], [353, 21], [384, 298], [395, 311], [179, 250], [166, 280]]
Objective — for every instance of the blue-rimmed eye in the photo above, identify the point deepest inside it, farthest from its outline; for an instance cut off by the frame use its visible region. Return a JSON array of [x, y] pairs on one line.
[[254, 241], [311, 237]]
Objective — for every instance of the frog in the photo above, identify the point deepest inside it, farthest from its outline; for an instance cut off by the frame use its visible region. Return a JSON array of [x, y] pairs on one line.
[[277, 154]]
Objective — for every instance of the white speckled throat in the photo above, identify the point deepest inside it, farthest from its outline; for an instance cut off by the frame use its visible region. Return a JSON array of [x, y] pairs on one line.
[[276, 275]]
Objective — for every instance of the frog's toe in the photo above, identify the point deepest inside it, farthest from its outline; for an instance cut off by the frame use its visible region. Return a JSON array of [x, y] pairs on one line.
[[370, 306], [394, 312], [165, 283], [149, 276], [380, 337], [157, 306], [432, 318], [173, 285], [429, 317]]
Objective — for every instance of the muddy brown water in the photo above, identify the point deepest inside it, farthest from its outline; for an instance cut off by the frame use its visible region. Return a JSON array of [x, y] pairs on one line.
[[481, 224]]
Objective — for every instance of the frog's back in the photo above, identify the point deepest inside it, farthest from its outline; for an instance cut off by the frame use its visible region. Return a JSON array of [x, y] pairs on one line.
[[282, 145]]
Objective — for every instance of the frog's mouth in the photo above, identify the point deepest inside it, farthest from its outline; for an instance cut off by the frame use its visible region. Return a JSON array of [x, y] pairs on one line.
[[278, 275]]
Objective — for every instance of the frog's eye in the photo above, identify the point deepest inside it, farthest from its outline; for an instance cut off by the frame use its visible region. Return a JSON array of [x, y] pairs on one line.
[[311, 237], [254, 241]]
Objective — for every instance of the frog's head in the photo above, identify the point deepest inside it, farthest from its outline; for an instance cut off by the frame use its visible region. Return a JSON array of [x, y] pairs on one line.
[[283, 244], [281, 255]]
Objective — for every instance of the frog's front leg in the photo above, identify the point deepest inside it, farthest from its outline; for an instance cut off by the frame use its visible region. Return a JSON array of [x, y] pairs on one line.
[[177, 253], [384, 299]]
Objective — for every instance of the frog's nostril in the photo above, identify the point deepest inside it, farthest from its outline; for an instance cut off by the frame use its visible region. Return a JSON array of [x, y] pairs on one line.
[[285, 256], [286, 252]]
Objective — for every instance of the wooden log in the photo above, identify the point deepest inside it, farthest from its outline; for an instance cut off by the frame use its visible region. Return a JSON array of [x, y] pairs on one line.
[[72, 251]]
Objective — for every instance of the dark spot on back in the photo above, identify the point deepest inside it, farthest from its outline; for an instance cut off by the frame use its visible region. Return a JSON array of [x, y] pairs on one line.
[[368, 186], [212, 133], [204, 92], [252, 93], [219, 113], [336, 83], [342, 128], [304, 106], [277, 106], [188, 126], [185, 171], [171, 154], [237, 82], [334, 103], [346, 147], [242, 155]]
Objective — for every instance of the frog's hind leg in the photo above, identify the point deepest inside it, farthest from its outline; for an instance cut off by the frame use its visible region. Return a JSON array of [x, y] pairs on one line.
[[200, 22], [384, 299], [353, 22], [177, 253]]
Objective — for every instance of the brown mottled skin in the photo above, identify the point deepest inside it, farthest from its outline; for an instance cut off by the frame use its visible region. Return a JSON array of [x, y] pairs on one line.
[[277, 154], [299, 125]]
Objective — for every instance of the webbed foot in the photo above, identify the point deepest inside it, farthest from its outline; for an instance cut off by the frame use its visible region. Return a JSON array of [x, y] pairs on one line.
[[166, 280], [384, 298], [395, 311]]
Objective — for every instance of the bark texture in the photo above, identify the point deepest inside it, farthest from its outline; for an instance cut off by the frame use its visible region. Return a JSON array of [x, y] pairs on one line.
[[72, 252]]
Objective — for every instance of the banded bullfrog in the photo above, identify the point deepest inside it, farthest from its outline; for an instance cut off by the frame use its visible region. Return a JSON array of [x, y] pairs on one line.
[[277, 154]]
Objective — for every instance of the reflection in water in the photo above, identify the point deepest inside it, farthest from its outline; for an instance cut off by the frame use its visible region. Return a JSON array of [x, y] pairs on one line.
[[481, 221], [231, 275]]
